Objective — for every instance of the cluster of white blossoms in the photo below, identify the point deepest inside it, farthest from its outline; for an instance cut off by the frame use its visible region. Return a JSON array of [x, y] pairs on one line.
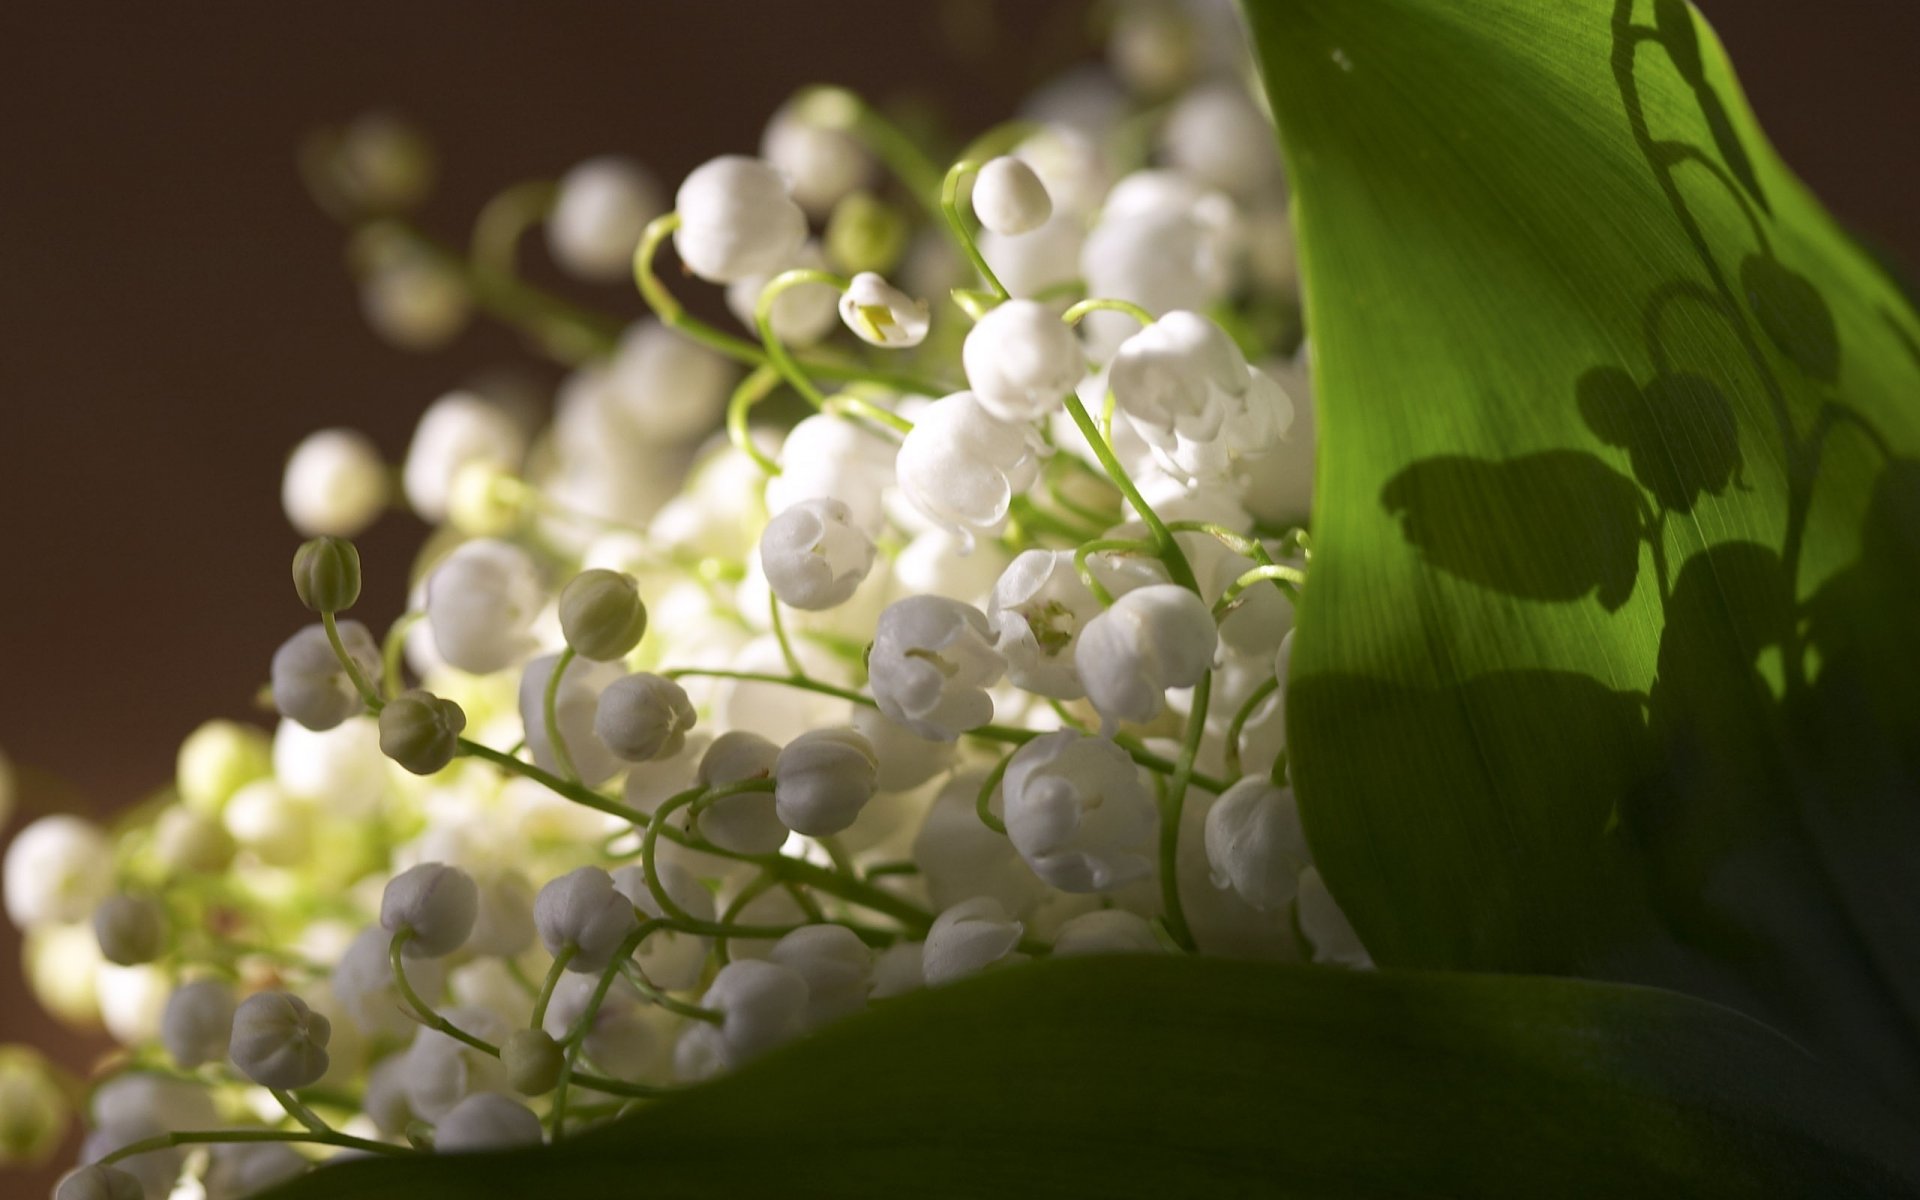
[[934, 621]]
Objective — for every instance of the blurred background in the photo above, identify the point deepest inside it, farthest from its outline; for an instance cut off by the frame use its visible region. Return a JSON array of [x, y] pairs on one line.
[[177, 313]]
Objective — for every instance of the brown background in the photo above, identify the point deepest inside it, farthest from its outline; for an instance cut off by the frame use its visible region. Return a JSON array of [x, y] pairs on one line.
[[176, 314]]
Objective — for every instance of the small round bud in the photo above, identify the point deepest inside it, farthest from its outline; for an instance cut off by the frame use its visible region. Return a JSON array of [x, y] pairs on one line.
[[1255, 844], [95, 1182], [217, 760], [822, 779], [131, 930], [581, 909], [533, 1061], [51, 871], [1021, 359], [436, 903], [33, 1110], [763, 1003], [279, 1042], [1009, 198], [486, 1121], [421, 731], [326, 574], [602, 615], [197, 1023], [643, 717], [865, 233], [335, 483]]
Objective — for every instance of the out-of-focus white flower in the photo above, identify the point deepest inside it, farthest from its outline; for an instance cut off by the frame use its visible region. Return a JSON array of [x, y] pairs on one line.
[[822, 779], [279, 1042], [882, 315], [1021, 359], [1326, 926], [1185, 386], [747, 823], [602, 207], [1105, 931], [802, 312], [503, 914], [95, 1182], [482, 600], [241, 1170], [575, 709], [1030, 263], [335, 483], [813, 556], [1217, 134], [216, 760], [898, 970], [197, 1023], [363, 983], [52, 871], [967, 938], [443, 1070], [905, 759], [666, 387], [932, 662], [414, 302], [486, 1121], [821, 164], [837, 967], [1037, 610], [830, 457], [1009, 198], [456, 431], [581, 909], [736, 220], [1153, 638], [961, 467], [309, 683], [763, 1004], [434, 902], [939, 563], [1079, 813], [670, 958], [1255, 844], [130, 929], [642, 717]]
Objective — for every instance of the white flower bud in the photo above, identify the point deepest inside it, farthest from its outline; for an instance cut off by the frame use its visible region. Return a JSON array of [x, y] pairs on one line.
[[642, 717], [1037, 610], [906, 760], [813, 556], [197, 1024], [822, 780], [309, 683], [442, 1070], [1185, 387], [137, 1098], [216, 760], [436, 903], [961, 467], [238, 1172], [748, 823], [670, 958], [830, 457], [1255, 845], [736, 220], [665, 387], [95, 1182], [625, 1039], [482, 600], [802, 313], [602, 615], [413, 302], [52, 871], [131, 929], [421, 731], [575, 708], [533, 1061], [882, 315], [932, 663], [279, 1042], [456, 430], [820, 163], [1021, 360], [1217, 134], [1105, 931], [763, 1003], [1009, 198], [836, 964], [581, 909], [602, 208], [486, 1121], [385, 1100], [967, 938], [335, 483], [190, 843], [1326, 926], [503, 916], [1153, 638], [265, 819], [363, 983], [1079, 812]]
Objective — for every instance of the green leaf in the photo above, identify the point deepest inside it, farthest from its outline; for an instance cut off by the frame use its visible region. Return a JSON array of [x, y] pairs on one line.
[[1160, 1077], [1610, 665]]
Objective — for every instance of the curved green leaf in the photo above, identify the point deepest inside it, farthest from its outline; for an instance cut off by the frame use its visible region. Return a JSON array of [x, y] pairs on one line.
[[1610, 665], [1158, 1077]]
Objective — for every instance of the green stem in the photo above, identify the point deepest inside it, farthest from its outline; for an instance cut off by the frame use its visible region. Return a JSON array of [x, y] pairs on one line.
[[1105, 546], [550, 718], [780, 635], [218, 1137], [846, 112], [982, 803], [776, 349], [950, 210], [1240, 718], [497, 230], [1171, 809], [1287, 579], [1078, 312], [299, 1111], [392, 680], [1169, 549], [559, 968], [347, 664], [752, 390]]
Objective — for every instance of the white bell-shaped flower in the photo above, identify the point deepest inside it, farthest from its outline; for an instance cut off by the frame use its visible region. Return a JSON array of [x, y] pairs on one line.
[[897, 970], [1255, 844], [503, 914], [1021, 360], [763, 1005], [309, 683], [665, 387], [575, 710], [197, 1023], [961, 467], [486, 1121], [1105, 931], [836, 964], [967, 938], [599, 213], [623, 1040], [443, 1070], [1037, 610], [670, 958], [1009, 198], [582, 910], [642, 717], [279, 1042], [830, 457], [905, 759], [932, 663], [748, 823], [1079, 812], [822, 779], [457, 431], [882, 315], [481, 603], [1187, 389], [52, 871], [363, 983], [1153, 638], [385, 1099], [335, 483], [736, 220], [821, 163], [813, 555], [436, 903], [238, 1172]]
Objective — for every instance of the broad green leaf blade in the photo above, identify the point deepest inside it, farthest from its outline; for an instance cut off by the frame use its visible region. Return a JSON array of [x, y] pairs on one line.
[[1611, 661], [1158, 1077]]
